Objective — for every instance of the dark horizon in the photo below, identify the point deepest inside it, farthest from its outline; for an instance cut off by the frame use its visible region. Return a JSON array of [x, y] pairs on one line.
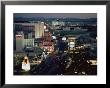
[[56, 15]]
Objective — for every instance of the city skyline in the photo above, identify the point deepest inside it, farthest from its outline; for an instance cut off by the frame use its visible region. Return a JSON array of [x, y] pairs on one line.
[[62, 45]]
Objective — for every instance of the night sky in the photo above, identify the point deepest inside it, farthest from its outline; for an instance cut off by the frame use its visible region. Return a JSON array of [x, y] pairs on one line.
[[57, 15]]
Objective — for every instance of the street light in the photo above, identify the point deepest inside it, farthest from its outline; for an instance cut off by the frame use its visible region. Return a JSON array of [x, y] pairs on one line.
[[64, 38]]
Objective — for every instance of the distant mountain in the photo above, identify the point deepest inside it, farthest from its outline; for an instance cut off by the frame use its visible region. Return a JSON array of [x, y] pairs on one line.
[[34, 19]]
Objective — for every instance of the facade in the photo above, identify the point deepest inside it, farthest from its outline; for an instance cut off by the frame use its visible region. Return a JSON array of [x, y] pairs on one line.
[[32, 29], [71, 42], [47, 44], [19, 43], [39, 29], [30, 35], [28, 42]]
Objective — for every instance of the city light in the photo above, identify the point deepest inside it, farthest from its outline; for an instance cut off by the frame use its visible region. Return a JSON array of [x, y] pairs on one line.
[[54, 37], [55, 46], [64, 38], [44, 27]]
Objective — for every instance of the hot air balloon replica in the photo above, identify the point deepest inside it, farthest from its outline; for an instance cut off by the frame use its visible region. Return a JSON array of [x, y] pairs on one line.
[[26, 64]]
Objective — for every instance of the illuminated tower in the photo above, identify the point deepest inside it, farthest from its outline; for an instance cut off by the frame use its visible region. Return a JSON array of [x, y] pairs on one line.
[[39, 29], [19, 42], [47, 41]]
